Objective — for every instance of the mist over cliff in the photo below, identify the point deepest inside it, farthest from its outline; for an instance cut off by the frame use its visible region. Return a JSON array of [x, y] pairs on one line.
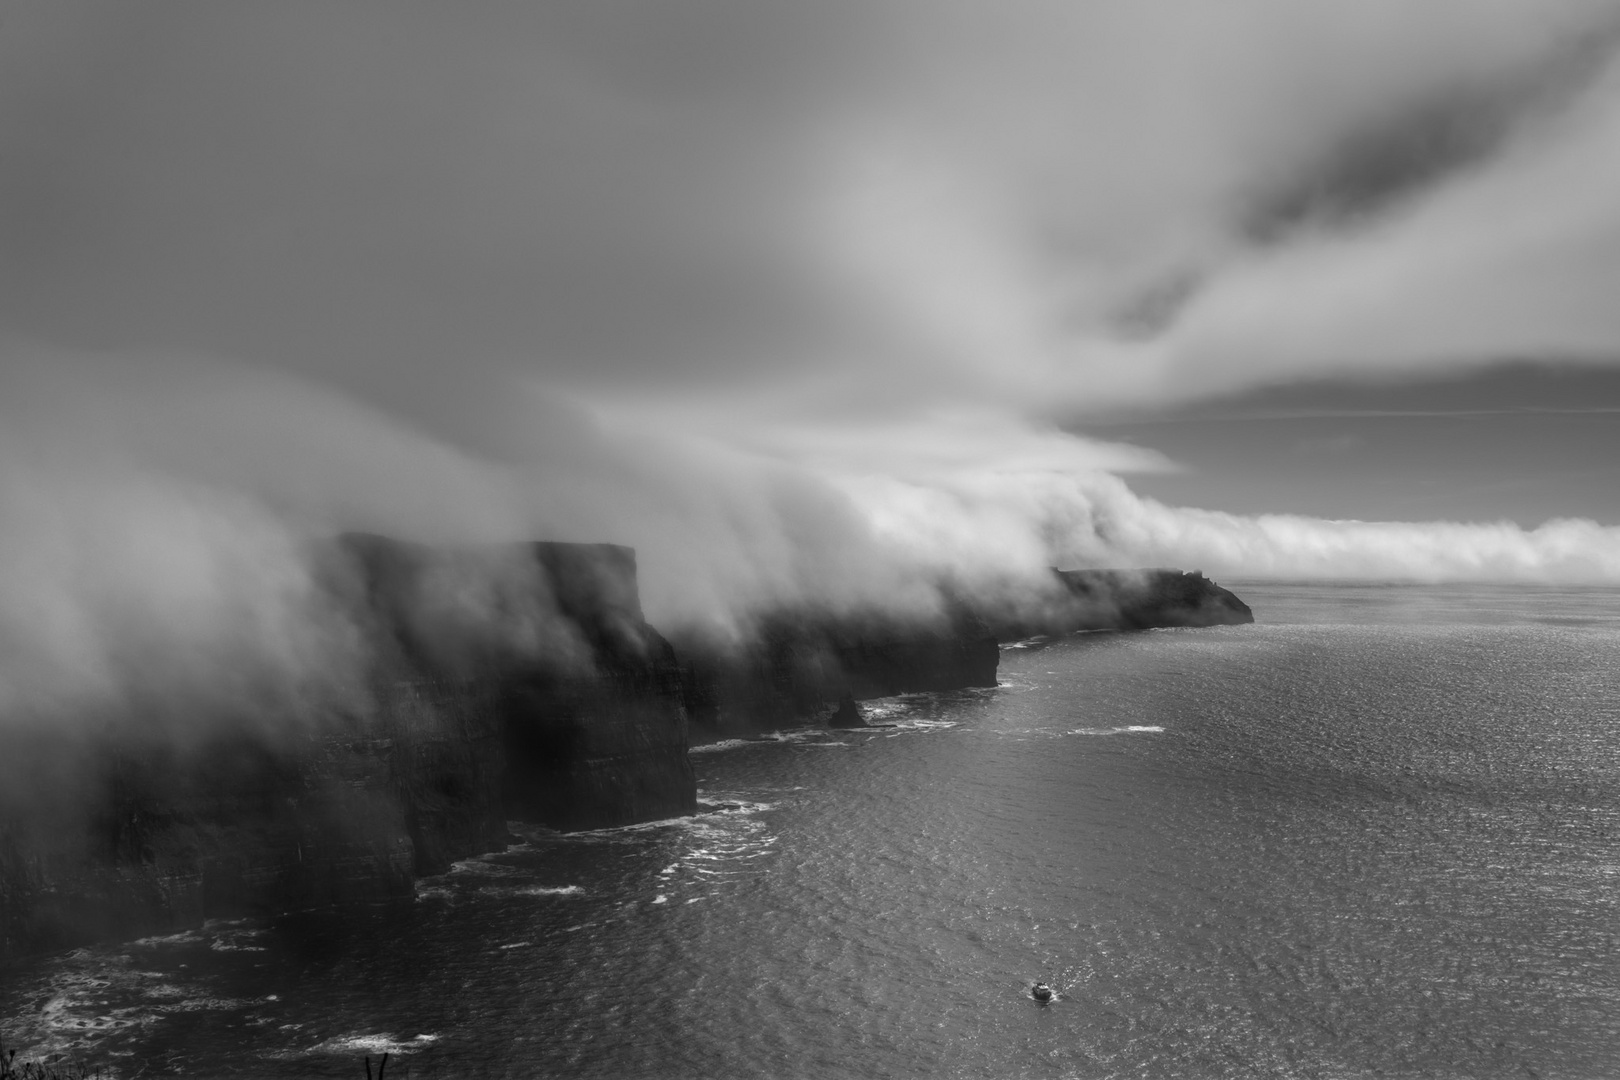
[[162, 522], [805, 306]]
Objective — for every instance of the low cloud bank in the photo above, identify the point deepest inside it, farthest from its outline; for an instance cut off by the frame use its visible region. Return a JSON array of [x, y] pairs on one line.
[[162, 556], [1289, 546], [979, 524]]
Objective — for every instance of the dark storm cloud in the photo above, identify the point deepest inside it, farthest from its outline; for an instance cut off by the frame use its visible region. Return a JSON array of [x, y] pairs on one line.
[[1419, 143]]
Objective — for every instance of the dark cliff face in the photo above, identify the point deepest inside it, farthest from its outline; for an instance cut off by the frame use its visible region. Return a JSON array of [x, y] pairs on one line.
[[447, 768], [159, 835], [607, 747], [545, 643], [518, 681], [1124, 600], [798, 666]]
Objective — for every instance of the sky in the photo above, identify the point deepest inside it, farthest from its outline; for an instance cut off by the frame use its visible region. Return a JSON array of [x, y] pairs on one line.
[[826, 302], [1522, 442]]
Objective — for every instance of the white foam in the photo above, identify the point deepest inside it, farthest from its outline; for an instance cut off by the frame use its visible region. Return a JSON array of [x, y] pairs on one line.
[[480, 864], [373, 1044], [237, 941], [530, 890], [802, 735], [1126, 730], [613, 832], [185, 937], [723, 744], [163, 990], [925, 725]]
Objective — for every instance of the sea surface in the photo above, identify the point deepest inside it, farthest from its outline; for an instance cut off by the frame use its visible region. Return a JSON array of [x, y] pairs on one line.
[[1377, 834]]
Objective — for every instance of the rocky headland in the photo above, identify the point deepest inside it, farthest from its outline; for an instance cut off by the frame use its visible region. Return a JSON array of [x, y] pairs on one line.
[[1091, 600], [515, 682]]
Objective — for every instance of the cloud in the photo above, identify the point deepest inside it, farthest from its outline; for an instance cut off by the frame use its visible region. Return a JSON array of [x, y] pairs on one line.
[[786, 296], [1191, 206], [1336, 445], [156, 556], [126, 595], [1288, 546], [892, 201], [1505, 262]]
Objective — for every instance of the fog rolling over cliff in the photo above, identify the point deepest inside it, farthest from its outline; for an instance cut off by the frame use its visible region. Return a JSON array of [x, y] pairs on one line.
[[805, 306], [809, 306], [158, 514], [480, 683], [490, 682]]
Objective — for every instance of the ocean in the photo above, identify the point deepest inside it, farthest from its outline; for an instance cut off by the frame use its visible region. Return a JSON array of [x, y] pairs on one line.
[[1376, 834]]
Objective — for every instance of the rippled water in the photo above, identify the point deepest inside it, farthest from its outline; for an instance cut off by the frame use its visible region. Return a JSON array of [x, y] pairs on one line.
[[1376, 834]]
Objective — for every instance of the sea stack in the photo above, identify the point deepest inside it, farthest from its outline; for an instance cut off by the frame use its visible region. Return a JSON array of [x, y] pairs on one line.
[[847, 715]]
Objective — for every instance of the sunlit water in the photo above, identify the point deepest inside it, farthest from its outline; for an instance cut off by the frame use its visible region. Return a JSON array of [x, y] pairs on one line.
[[1376, 834]]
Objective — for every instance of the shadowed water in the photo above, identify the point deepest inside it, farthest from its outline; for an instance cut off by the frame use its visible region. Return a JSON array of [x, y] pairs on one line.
[[1376, 834]]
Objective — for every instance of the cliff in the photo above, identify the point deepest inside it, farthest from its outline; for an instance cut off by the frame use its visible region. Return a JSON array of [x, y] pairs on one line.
[[1122, 600], [797, 666], [519, 681], [554, 653], [155, 835], [1153, 599]]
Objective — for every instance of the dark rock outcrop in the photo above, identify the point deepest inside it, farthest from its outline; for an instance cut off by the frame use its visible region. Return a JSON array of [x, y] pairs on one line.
[[847, 715]]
